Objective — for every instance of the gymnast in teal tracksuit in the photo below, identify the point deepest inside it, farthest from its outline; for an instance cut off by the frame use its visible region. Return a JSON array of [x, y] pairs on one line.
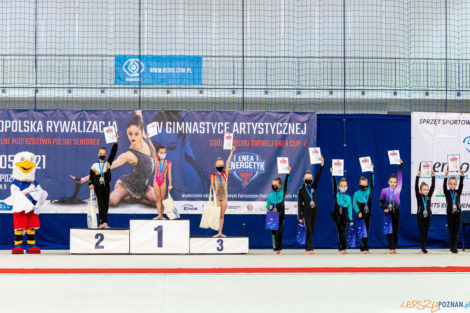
[[362, 205], [342, 213], [275, 202]]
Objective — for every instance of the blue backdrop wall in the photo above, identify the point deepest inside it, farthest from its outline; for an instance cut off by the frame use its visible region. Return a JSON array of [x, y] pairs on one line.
[[339, 136]]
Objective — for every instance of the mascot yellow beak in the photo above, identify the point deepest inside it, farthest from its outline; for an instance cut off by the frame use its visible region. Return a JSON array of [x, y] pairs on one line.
[[25, 166]]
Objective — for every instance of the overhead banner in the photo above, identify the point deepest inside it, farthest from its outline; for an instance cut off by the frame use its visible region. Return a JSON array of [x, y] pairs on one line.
[[157, 70], [66, 144], [435, 136]]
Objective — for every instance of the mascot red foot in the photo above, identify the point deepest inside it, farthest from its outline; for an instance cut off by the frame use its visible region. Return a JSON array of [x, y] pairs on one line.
[[26, 198]]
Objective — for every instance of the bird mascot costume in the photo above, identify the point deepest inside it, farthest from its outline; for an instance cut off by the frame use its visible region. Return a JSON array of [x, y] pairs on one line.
[[26, 198]]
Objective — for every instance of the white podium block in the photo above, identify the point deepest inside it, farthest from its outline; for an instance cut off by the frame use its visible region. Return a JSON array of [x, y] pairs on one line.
[[99, 241], [159, 236], [210, 245]]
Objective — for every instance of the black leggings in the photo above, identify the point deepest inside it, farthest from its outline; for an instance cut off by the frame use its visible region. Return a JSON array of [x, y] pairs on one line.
[[365, 240], [102, 197], [393, 237], [277, 234], [309, 227], [423, 224], [341, 230], [453, 222]]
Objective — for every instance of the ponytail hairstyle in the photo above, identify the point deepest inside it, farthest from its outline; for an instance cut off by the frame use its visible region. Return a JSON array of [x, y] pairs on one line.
[[137, 122]]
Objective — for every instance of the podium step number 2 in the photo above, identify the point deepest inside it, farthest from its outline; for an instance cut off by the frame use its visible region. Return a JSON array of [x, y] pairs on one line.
[[159, 237], [99, 241]]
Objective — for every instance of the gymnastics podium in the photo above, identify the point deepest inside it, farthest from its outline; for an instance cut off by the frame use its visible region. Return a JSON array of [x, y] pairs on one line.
[[152, 237], [99, 241], [159, 236], [211, 245]]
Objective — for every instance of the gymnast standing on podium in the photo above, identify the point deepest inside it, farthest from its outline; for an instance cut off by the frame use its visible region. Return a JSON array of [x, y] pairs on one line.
[[99, 180], [219, 182]]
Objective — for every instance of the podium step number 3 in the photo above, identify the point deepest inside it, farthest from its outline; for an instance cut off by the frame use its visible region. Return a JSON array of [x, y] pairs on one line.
[[99, 241], [159, 237], [210, 245]]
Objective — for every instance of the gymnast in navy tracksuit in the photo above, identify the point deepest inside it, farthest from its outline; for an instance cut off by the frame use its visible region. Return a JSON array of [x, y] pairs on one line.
[[423, 197], [307, 206], [100, 179], [453, 208]]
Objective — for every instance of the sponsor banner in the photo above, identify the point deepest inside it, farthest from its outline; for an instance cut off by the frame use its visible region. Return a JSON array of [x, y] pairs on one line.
[[435, 136], [157, 70], [184, 207], [66, 144]]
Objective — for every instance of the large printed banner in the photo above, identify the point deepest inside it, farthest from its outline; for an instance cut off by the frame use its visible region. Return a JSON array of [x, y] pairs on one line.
[[434, 136], [157, 70], [66, 144]]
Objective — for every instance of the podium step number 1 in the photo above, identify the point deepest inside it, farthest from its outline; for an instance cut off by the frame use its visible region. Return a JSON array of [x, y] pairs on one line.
[[159, 237]]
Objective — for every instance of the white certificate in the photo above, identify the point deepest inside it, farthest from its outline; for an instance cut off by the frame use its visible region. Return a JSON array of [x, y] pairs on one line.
[[282, 164], [338, 167], [315, 155], [228, 141], [394, 157], [426, 168], [152, 129], [453, 161], [110, 134], [366, 164]]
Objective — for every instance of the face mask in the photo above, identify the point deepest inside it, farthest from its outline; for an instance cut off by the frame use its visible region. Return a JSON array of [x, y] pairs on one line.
[[162, 156], [343, 190], [220, 168], [363, 188], [275, 188], [102, 157], [308, 181]]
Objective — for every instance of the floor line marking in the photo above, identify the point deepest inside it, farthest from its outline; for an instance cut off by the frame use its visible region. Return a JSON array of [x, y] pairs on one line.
[[236, 270]]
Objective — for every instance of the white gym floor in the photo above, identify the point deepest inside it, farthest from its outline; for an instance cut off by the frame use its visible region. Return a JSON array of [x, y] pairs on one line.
[[241, 292]]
